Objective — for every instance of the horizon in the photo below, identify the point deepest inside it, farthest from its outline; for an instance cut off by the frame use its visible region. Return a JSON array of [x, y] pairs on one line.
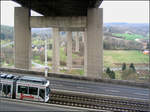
[[103, 23]]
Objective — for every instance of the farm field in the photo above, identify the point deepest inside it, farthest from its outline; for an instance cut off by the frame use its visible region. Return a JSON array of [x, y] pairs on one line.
[[110, 57], [129, 36], [124, 56]]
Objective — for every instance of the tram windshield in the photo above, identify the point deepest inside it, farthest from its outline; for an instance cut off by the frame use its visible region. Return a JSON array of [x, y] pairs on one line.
[[0, 86], [47, 91]]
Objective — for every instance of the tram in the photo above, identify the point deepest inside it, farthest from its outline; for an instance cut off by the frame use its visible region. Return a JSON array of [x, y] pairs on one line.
[[24, 87]]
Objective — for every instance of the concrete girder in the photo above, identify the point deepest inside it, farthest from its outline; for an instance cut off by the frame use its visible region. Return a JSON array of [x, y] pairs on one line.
[[72, 29], [59, 22]]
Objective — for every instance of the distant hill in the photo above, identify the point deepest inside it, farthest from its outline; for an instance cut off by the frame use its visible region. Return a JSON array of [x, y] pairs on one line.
[[7, 32], [109, 29], [126, 35], [113, 43], [135, 28]]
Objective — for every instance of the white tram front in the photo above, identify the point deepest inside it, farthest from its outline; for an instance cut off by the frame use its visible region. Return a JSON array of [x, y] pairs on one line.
[[24, 87]]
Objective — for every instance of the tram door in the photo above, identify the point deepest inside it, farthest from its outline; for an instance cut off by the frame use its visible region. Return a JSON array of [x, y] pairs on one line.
[[0, 89], [7, 90], [42, 94]]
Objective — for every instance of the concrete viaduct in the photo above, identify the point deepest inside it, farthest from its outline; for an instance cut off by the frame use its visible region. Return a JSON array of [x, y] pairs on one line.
[[61, 15]]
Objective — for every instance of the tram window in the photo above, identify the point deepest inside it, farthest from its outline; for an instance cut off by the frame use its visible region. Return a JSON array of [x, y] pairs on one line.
[[6, 88], [42, 93], [0, 86], [33, 90], [23, 89]]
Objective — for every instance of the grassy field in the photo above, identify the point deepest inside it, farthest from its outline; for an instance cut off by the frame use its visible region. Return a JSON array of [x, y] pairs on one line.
[[128, 36], [123, 56], [110, 57]]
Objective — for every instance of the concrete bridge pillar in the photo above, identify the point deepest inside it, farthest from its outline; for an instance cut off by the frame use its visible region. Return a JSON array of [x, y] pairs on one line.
[[22, 35], [85, 52], [77, 41], [69, 50], [94, 43], [0, 54], [56, 57], [82, 37]]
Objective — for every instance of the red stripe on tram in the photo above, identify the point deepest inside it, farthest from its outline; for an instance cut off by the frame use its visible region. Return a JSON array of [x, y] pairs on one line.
[[24, 96]]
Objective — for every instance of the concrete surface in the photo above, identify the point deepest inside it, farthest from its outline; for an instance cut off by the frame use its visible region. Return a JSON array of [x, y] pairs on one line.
[[22, 38], [55, 56], [100, 88], [94, 43], [69, 50]]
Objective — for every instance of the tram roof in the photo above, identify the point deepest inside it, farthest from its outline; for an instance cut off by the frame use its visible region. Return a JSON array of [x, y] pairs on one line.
[[33, 79], [7, 76]]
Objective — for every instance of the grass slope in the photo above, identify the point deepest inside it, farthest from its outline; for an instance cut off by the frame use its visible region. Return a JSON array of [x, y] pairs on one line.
[[121, 56], [129, 36]]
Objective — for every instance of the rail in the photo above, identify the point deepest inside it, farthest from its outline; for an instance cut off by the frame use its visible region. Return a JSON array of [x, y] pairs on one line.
[[91, 102], [86, 100]]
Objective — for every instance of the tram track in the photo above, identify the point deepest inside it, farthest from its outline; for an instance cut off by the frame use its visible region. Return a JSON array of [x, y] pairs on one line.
[[92, 101]]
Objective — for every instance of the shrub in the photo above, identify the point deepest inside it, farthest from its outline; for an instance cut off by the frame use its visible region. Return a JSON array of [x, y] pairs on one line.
[[108, 70], [63, 63], [132, 67], [129, 74], [110, 73], [123, 66]]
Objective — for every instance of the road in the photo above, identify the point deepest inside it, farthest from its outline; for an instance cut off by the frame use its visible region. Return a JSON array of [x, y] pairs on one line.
[[100, 88], [137, 68], [65, 68], [38, 65], [17, 106], [5, 45]]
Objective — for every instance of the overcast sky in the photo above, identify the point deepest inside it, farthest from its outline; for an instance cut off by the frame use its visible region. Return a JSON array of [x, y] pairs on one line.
[[126, 11], [113, 11]]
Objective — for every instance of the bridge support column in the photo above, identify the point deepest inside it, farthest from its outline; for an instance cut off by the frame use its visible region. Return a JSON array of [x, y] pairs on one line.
[[69, 50], [77, 42], [85, 52], [56, 57], [22, 35], [0, 54], [94, 43], [83, 37]]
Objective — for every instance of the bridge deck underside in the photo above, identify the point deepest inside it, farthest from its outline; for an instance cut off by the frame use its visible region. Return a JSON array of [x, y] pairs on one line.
[[60, 7]]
